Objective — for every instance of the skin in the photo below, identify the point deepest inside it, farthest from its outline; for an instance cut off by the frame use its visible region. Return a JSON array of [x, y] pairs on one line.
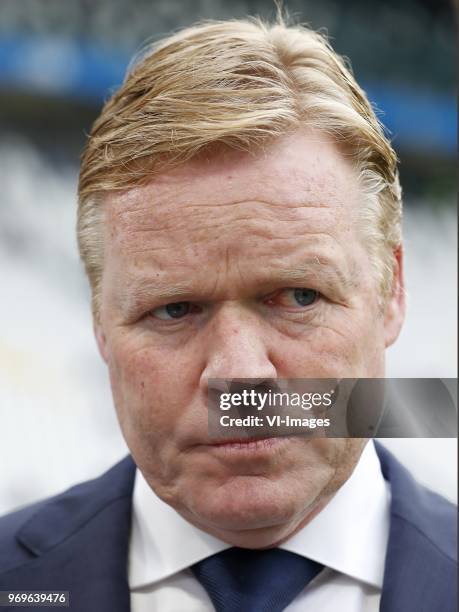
[[233, 234]]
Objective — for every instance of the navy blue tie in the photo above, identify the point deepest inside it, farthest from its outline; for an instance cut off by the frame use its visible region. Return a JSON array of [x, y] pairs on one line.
[[242, 580]]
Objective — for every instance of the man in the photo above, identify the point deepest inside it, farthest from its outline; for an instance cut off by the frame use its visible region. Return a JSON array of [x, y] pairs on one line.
[[239, 217]]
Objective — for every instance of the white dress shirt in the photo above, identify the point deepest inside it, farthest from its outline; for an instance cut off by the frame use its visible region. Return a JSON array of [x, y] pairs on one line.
[[349, 537]]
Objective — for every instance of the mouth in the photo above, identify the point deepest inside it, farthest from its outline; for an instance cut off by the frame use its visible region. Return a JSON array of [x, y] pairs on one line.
[[251, 446]]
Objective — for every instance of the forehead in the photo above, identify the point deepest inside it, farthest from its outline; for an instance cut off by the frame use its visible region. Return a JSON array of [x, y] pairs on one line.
[[300, 188], [302, 170]]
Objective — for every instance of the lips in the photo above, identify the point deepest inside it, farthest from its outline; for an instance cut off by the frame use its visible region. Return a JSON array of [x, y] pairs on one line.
[[251, 445], [241, 441]]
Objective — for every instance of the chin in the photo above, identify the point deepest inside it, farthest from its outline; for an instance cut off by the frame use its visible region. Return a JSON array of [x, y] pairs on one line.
[[248, 511]]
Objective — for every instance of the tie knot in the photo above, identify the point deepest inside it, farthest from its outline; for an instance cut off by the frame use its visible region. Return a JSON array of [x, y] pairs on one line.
[[242, 580]]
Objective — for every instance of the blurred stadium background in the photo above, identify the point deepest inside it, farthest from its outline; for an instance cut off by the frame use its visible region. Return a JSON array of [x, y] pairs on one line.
[[58, 62]]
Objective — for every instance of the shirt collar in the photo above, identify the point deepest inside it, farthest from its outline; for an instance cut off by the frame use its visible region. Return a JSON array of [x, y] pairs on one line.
[[349, 535]]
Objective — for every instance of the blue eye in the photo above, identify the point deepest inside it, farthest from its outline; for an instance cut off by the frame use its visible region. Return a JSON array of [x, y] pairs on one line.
[[175, 310], [305, 297], [294, 298]]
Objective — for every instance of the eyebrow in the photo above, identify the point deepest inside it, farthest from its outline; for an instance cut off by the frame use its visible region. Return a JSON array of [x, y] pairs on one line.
[[140, 291], [332, 276]]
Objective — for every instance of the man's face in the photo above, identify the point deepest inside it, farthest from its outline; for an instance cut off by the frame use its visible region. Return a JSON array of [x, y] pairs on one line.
[[201, 268]]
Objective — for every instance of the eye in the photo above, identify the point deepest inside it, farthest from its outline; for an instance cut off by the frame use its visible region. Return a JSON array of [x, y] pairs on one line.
[[305, 297], [175, 310], [294, 297]]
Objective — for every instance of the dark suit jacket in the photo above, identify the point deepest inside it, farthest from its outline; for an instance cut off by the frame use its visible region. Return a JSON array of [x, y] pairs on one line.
[[78, 542]]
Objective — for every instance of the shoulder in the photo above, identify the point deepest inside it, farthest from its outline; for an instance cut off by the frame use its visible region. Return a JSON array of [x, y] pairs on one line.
[[427, 515], [11, 553], [420, 568], [24, 532]]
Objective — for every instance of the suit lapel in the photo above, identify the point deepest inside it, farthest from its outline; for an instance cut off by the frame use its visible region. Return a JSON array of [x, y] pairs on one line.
[[420, 570], [79, 542]]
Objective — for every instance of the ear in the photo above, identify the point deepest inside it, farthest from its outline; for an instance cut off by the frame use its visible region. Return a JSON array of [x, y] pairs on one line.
[[394, 313], [100, 339]]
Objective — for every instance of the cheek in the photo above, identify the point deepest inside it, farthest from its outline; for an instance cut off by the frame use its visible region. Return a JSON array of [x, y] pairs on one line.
[[150, 387], [350, 345]]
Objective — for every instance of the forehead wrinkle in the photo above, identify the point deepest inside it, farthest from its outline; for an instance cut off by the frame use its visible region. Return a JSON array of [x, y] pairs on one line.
[[141, 290], [257, 176], [177, 221], [134, 201], [176, 209], [274, 175]]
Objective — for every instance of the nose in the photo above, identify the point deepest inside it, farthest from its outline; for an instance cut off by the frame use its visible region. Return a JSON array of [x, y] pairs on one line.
[[237, 347]]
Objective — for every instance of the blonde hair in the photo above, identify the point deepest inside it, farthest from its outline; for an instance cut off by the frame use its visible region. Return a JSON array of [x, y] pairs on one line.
[[235, 84]]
